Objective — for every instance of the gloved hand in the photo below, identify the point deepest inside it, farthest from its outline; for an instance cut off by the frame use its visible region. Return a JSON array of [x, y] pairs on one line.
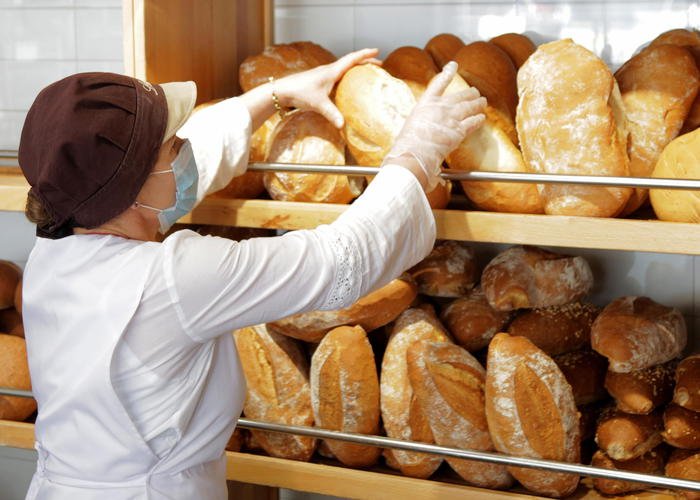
[[310, 89], [436, 126]]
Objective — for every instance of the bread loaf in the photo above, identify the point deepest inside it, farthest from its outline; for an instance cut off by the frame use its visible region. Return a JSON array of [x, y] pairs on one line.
[[313, 53], [679, 159], [557, 329], [472, 321], [635, 333], [570, 120], [529, 277], [443, 47], [9, 320], [658, 87], [18, 297], [345, 392], [14, 374], [585, 371], [517, 46], [9, 278], [681, 427], [277, 376], [448, 271], [531, 412], [649, 463], [448, 383], [370, 312], [642, 391], [308, 137], [412, 65], [402, 415], [687, 390], [237, 440], [624, 436], [685, 464]]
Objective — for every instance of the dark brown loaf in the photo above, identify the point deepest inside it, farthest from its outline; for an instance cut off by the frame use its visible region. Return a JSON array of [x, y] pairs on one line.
[[18, 297], [412, 65], [449, 385], [570, 120], [624, 436], [531, 412], [685, 464], [681, 427], [558, 329], [345, 392], [448, 271], [14, 374], [277, 376], [443, 47], [313, 53], [517, 46], [635, 333], [642, 391], [370, 312], [472, 321], [649, 463], [687, 391], [585, 372], [9, 278], [402, 415], [529, 277]]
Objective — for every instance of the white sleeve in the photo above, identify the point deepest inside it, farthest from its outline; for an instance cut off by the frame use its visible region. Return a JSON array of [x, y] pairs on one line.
[[218, 285], [220, 137]]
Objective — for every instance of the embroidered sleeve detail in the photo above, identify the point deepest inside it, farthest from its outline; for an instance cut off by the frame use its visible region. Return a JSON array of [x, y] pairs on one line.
[[347, 284]]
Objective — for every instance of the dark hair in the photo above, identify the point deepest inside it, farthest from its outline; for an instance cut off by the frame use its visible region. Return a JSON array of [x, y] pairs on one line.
[[36, 212]]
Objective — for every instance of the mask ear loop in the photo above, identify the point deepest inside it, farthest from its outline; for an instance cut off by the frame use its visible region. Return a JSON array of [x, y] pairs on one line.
[[139, 204]]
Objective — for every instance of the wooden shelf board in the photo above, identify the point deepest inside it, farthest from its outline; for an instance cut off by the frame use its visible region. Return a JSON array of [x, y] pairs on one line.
[[544, 230]]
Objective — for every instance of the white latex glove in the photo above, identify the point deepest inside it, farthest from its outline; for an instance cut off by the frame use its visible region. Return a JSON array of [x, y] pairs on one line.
[[437, 125]]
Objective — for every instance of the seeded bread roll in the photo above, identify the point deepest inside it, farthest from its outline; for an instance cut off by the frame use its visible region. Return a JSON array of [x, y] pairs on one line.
[[517, 46], [635, 333], [681, 427], [642, 391], [685, 464], [9, 278], [448, 271], [687, 390], [448, 383], [624, 436], [472, 321], [14, 374], [277, 376], [370, 312], [570, 120], [412, 65], [345, 392], [557, 329], [585, 372], [402, 415], [658, 87], [531, 412], [649, 463], [443, 47], [529, 277]]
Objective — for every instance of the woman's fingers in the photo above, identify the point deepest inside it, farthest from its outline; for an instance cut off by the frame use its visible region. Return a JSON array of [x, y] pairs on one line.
[[353, 58], [330, 112], [440, 82]]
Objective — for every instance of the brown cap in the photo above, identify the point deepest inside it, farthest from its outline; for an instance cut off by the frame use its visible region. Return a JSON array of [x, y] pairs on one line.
[[90, 140]]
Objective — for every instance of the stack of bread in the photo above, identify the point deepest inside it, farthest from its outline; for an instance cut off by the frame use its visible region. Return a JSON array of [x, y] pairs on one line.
[[14, 369]]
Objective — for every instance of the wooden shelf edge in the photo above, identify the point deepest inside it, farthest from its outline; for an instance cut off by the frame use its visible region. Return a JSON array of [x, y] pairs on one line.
[[543, 230]]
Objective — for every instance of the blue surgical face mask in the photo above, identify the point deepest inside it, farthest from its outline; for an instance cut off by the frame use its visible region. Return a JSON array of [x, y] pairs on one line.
[[184, 168]]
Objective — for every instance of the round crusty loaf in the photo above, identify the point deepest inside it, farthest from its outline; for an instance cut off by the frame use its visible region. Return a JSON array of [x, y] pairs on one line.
[[624, 436], [345, 392], [681, 427], [9, 278], [375, 309], [642, 391], [443, 47], [402, 415], [412, 65], [517, 46], [308, 137], [585, 371], [448, 271], [448, 383], [685, 464], [679, 159], [635, 333], [649, 463], [558, 329], [570, 120], [531, 412], [472, 321], [277, 378], [313, 53], [14, 374], [687, 390], [658, 87], [529, 277]]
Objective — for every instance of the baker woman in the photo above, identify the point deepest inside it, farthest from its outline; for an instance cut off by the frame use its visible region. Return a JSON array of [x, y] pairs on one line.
[[133, 365]]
